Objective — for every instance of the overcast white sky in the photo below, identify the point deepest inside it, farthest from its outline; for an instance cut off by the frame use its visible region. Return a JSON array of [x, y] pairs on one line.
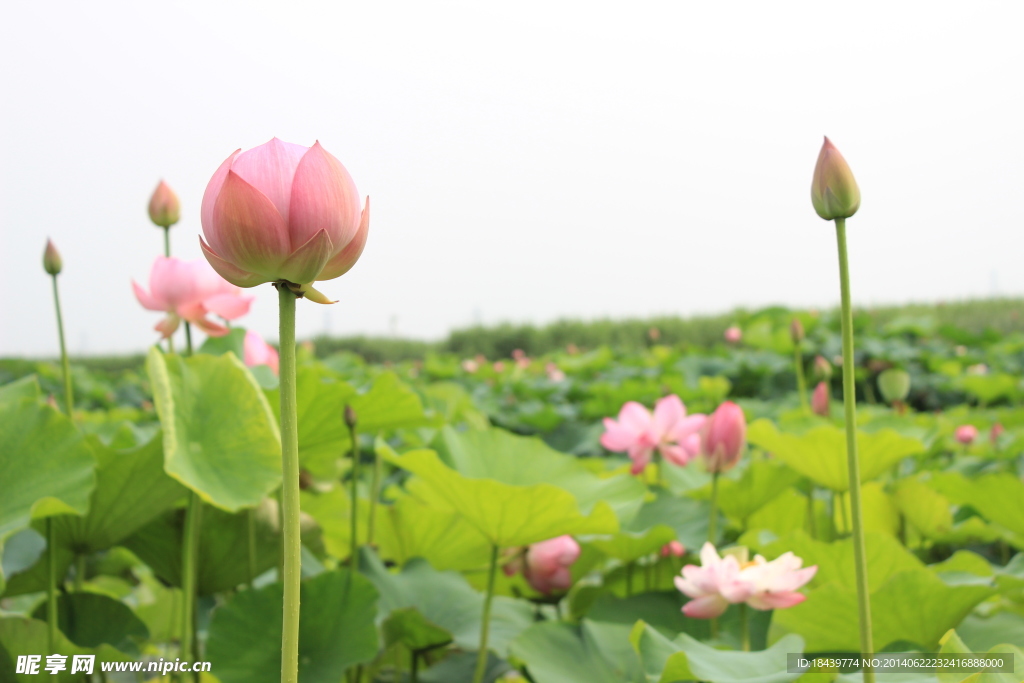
[[526, 161]]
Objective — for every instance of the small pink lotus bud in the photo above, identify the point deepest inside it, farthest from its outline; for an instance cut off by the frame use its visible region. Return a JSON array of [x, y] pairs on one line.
[[796, 331], [283, 213], [820, 399], [350, 416], [547, 564], [164, 207], [52, 262], [673, 549], [966, 434], [723, 437], [822, 369], [996, 431], [834, 192], [733, 335]]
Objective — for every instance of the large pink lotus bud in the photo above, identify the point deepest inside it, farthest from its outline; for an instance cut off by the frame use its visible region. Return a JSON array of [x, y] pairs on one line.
[[834, 192], [966, 434], [259, 352], [283, 213], [820, 399], [547, 564], [724, 436], [733, 335], [164, 207]]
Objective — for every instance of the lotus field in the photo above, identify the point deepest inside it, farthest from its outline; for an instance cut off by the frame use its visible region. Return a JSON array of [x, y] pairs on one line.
[[800, 482]]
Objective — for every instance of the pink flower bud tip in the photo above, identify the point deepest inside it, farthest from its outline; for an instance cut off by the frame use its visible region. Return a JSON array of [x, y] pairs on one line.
[[820, 399], [834, 192], [52, 262], [966, 434], [259, 352], [164, 207], [733, 335], [724, 437], [283, 213]]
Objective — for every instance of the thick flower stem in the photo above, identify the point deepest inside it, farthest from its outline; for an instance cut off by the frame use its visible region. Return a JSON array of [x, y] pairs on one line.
[[801, 383], [485, 624], [354, 511], [713, 519], [850, 408], [289, 490], [51, 530], [189, 550]]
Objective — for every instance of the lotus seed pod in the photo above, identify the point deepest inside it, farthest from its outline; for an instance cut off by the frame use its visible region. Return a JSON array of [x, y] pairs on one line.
[[894, 385]]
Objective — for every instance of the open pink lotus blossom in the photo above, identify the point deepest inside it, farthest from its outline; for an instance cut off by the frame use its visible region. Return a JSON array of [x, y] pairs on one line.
[[546, 564], [820, 399], [724, 437], [190, 290], [670, 430], [966, 434], [259, 352], [763, 585], [283, 213]]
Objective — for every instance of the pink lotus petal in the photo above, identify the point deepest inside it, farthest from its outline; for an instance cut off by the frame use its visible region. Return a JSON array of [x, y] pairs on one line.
[[668, 411], [213, 189], [347, 257], [270, 169], [209, 327], [635, 418], [766, 601], [707, 607], [323, 197], [258, 352], [229, 271], [168, 325], [616, 437], [305, 263], [147, 300], [247, 228], [229, 306], [677, 455]]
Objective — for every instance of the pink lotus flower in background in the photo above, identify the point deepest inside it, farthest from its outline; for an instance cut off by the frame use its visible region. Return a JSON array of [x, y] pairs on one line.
[[675, 435], [723, 437], [554, 373], [820, 399], [546, 564], [966, 434], [469, 365], [164, 207], [733, 335], [190, 290], [996, 431], [259, 352], [763, 585], [283, 213], [499, 366], [673, 549]]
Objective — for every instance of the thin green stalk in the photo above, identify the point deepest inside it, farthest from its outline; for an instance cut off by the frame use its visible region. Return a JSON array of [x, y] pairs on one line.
[[842, 512], [415, 667], [485, 624], [79, 572], [374, 498], [69, 401], [250, 522], [850, 408], [167, 242], [744, 627], [812, 523], [51, 587], [801, 383], [189, 550], [188, 339], [713, 520], [354, 511], [289, 490]]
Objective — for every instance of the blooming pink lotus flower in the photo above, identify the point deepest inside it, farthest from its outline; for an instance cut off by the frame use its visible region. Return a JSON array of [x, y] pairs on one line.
[[733, 335], [820, 399], [966, 434], [723, 437], [546, 564], [673, 549], [670, 430], [554, 373], [763, 585], [283, 213], [259, 352], [164, 207], [190, 290]]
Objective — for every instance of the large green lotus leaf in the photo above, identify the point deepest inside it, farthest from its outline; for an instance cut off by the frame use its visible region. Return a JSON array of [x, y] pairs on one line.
[[26, 387], [988, 388], [336, 631], [23, 636], [788, 512], [820, 453], [413, 630], [461, 666], [46, 466], [913, 606], [980, 633], [525, 461], [408, 529], [878, 511], [759, 484], [446, 600], [389, 404], [220, 437], [132, 489], [925, 508], [223, 556], [332, 511], [591, 652], [688, 517], [507, 515], [628, 546], [952, 644], [998, 497], [685, 658], [91, 619]]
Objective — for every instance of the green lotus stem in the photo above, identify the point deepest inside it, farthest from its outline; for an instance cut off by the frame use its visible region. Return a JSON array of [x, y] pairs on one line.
[[811, 522], [354, 512], [713, 520], [744, 627], [414, 667], [801, 383], [167, 241], [374, 498], [69, 401], [51, 586], [485, 624], [842, 512], [189, 550], [250, 523], [188, 339], [292, 544], [79, 572], [850, 408]]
